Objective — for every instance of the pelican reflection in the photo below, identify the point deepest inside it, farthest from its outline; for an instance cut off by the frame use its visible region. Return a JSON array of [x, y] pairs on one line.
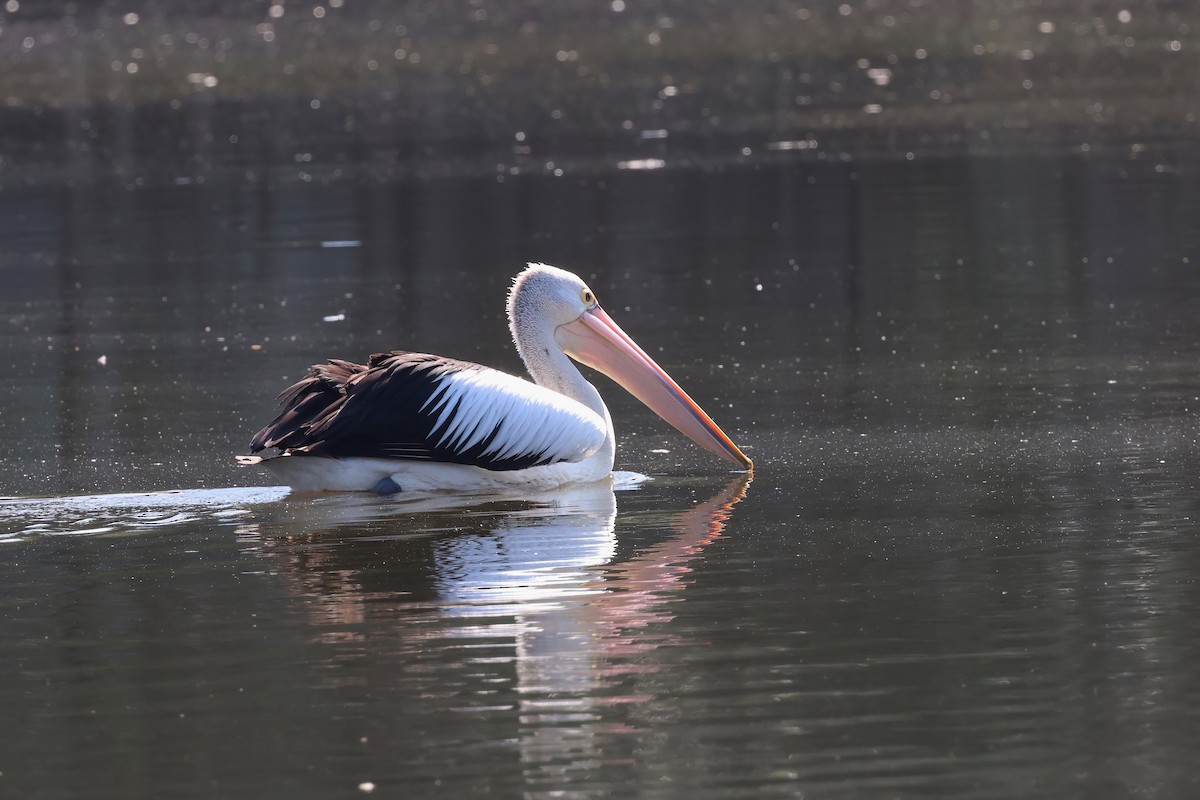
[[522, 605]]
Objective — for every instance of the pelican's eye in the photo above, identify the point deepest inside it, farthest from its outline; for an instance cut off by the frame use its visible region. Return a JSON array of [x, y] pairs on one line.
[[587, 297]]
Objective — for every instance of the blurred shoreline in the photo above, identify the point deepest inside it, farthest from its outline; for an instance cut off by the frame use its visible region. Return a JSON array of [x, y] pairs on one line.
[[150, 88]]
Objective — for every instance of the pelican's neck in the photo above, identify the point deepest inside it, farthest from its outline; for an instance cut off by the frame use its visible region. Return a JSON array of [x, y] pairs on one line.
[[550, 367]]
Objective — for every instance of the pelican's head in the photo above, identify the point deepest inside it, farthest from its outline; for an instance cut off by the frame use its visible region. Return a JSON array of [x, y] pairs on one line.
[[550, 304], [543, 295]]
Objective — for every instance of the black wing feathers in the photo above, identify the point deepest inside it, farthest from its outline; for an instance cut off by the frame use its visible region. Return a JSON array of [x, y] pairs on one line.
[[377, 410], [305, 403]]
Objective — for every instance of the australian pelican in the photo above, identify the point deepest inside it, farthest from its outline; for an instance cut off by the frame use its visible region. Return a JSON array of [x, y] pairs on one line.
[[416, 422]]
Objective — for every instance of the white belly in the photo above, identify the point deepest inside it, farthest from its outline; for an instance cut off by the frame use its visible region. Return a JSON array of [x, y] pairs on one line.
[[311, 473]]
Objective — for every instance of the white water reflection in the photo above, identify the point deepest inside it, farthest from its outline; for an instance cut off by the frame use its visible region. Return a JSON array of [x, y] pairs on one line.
[[533, 561]]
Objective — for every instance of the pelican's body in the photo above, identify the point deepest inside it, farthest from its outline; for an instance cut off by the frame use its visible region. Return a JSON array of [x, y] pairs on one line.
[[418, 422]]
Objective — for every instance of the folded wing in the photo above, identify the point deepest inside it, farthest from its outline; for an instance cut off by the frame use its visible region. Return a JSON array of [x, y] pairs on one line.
[[418, 406]]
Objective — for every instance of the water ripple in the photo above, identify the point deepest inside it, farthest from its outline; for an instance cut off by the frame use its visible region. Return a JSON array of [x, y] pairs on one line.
[[92, 515]]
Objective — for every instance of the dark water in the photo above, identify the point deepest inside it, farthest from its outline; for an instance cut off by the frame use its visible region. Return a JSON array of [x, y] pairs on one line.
[[965, 565], [967, 373]]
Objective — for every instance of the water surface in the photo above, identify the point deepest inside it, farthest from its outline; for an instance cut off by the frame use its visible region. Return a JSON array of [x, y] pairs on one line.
[[965, 564], [965, 366]]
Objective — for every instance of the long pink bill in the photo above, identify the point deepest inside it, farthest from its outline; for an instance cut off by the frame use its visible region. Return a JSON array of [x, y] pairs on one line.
[[595, 340]]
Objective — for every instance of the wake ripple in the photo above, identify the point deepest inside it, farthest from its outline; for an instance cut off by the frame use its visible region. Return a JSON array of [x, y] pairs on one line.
[[90, 515]]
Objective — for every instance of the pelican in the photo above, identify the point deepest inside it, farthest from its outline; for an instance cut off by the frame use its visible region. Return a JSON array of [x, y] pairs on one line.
[[416, 422]]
